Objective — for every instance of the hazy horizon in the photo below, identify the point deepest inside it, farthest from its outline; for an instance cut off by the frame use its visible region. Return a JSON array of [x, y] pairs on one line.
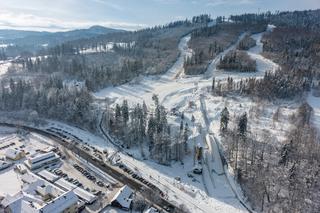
[[62, 15]]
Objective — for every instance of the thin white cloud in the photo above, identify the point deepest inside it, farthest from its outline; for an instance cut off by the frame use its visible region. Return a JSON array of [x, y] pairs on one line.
[[109, 4], [167, 1], [214, 3], [26, 21], [205, 2]]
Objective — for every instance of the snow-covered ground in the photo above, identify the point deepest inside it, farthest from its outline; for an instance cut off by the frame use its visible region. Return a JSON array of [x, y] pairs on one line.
[[314, 102], [4, 46], [263, 64], [260, 115], [10, 182], [212, 191], [173, 84], [191, 194], [147, 86], [4, 65]]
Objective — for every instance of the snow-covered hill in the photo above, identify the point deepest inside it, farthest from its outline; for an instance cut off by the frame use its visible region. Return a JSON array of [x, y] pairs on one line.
[[175, 90]]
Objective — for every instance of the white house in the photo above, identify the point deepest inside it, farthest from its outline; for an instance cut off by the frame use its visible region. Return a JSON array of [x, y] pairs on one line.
[[14, 154], [39, 160]]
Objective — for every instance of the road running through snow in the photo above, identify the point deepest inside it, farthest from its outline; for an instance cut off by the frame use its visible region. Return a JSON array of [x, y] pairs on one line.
[[174, 89]]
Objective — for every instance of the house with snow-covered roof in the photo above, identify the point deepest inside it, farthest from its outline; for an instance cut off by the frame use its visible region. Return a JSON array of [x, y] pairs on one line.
[[14, 154], [39, 196], [39, 160], [123, 198]]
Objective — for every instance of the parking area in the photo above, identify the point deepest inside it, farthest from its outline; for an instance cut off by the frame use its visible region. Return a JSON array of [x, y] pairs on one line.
[[88, 178], [100, 158], [136, 176]]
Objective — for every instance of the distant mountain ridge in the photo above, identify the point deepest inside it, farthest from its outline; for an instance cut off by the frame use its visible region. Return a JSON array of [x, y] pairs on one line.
[[7, 34], [36, 39]]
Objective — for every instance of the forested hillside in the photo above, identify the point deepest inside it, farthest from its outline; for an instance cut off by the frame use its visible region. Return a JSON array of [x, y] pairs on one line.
[[216, 114], [49, 99], [208, 42], [280, 177], [27, 43], [149, 51], [142, 127], [237, 61]]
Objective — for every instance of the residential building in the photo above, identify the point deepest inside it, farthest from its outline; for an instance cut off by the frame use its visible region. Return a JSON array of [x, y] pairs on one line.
[[123, 198], [40, 196], [39, 160], [14, 154]]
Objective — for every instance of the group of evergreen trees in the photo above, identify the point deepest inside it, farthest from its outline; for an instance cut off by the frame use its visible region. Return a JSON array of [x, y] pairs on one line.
[[303, 19], [96, 77], [237, 61], [208, 41], [3, 55], [294, 48], [148, 51], [246, 43], [50, 100], [139, 127], [278, 177], [225, 118], [272, 86]]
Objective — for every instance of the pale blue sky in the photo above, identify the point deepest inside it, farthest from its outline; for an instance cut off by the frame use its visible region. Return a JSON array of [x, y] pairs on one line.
[[127, 14]]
